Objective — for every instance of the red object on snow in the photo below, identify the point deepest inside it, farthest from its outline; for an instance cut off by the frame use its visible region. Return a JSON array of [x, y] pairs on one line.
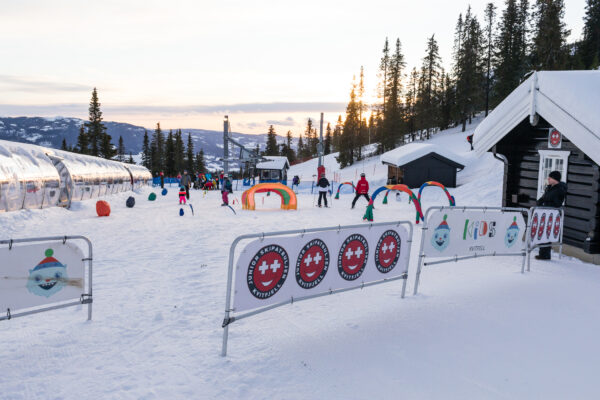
[[102, 208], [320, 171]]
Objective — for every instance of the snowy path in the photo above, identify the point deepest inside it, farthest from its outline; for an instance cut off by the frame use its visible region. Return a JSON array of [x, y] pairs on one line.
[[479, 329]]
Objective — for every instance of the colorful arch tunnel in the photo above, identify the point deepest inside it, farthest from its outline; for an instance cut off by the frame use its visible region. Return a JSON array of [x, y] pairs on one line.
[[400, 188], [337, 195], [288, 197], [434, 183]]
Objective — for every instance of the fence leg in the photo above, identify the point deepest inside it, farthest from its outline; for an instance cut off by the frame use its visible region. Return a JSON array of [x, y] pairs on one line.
[[225, 337], [418, 274], [404, 285]]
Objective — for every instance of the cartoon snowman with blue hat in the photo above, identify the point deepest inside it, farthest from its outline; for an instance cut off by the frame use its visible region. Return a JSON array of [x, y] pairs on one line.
[[48, 277], [511, 234], [441, 236]]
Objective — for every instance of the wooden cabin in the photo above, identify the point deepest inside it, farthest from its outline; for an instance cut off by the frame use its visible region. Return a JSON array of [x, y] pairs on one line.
[[273, 170], [416, 163], [551, 122]]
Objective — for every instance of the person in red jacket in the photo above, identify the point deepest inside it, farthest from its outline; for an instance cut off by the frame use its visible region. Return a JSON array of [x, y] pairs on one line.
[[362, 189]]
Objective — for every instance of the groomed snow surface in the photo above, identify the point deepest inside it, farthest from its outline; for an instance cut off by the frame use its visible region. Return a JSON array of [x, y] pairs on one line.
[[478, 329]]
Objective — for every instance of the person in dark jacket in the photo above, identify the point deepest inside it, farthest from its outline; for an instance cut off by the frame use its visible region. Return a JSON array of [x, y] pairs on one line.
[[554, 196], [162, 180], [470, 140], [362, 189], [186, 181], [323, 185]]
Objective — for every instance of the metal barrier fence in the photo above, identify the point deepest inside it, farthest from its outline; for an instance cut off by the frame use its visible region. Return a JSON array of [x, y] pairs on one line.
[[48, 287]]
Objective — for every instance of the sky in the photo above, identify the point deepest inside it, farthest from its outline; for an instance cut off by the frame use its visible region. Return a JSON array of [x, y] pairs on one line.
[[187, 63]]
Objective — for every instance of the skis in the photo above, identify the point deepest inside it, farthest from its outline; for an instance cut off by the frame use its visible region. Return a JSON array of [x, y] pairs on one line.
[[191, 208]]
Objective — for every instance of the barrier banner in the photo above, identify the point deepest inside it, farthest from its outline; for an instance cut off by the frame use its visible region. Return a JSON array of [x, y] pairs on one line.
[[276, 269], [457, 232], [38, 274], [546, 226]]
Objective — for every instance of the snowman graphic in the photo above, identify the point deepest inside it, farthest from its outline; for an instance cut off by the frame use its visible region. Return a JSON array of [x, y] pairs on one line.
[[511, 234], [441, 236], [48, 277]]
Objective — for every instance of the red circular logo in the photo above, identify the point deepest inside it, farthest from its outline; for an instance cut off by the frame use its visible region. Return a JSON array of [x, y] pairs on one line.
[[267, 271], [352, 258], [540, 232], [554, 137], [549, 226], [557, 226], [312, 264], [387, 251], [534, 226]]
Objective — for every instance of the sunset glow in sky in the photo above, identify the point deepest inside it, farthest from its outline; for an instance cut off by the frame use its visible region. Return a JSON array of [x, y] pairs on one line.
[[187, 63]]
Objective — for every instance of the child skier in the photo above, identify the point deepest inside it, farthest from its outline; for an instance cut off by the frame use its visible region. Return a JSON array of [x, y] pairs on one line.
[[226, 189], [182, 194], [362, 189], [323, 185]]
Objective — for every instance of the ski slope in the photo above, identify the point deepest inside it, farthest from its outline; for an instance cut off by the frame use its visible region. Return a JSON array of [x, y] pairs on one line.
[[479, 329]]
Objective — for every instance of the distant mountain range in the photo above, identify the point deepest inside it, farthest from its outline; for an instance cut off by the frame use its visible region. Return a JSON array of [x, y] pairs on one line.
[[49, 132]]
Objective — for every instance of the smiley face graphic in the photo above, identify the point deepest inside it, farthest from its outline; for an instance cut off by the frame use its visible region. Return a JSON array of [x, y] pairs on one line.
[[542, 226], [534, 226], [556, 230], [387, 251], [441, 236], [312, 264], [353, 256], [511, 234], [549, 226], [48, 277], [267, 271]]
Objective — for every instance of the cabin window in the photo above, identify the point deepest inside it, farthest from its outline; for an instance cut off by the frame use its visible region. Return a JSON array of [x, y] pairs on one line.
[[551, 160]]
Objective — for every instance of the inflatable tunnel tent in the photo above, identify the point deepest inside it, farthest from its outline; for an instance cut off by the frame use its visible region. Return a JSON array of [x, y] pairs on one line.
[[288, 197]]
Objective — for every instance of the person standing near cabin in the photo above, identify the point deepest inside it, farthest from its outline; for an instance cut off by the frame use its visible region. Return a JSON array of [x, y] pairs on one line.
[[227, 188], [362, 189], [295, 182], [323, 185], [185, 182], [554, 196]]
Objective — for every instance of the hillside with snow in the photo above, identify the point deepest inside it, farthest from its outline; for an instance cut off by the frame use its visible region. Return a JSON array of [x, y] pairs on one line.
[[478, 329]]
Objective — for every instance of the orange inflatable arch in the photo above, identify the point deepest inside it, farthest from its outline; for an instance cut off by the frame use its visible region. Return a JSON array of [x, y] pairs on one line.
[[288, 197]]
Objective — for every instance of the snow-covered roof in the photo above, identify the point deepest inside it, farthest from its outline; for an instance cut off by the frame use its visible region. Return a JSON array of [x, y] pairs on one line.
[[412, 151], [568, 100], [275, 162]]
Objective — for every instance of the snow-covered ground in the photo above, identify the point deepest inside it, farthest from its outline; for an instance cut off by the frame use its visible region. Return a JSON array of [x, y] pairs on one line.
[[479, 329]]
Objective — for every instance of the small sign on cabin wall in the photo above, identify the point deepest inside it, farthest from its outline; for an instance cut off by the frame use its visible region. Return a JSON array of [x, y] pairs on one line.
[[554, 139]]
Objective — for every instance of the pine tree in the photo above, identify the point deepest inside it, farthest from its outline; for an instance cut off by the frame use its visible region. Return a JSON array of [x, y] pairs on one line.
[[510, 57], [384, 65], [549, 50], [350, 131], [158, 150], [107, 149], [362, 134], [82, 141], [311, 139], [64, 146], [179, 153], [189, 160], [272, 148], [146, 156], [327, 144], [121, 150], [590, 46], [337, 134], [490, 14], [291, 154], [131, 161], [411, 103], [430, 75], [95, 128], [392, 125], [300, 152], [170, 169], [200, 163]]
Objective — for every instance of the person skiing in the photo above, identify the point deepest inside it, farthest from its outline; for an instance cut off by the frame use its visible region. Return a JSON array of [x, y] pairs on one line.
[[362, 189], [470, 140], [323, 185], [554, 196], [162, 180], [295, 182], [226, 189], [182, 192], [185, 182]]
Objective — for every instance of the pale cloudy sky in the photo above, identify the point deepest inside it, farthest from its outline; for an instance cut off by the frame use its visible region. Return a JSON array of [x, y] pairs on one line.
[[186, 63]]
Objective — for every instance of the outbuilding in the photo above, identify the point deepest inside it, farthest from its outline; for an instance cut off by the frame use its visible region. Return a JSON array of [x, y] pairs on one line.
[[274, 169], [551, 122], [416, 163]]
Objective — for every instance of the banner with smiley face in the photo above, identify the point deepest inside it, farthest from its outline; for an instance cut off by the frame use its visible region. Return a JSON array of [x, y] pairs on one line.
[[276, 269], [34, 275], [458, 232], [546, 226]]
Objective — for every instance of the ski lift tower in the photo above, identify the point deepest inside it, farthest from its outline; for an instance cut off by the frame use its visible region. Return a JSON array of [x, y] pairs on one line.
[[246, 155]]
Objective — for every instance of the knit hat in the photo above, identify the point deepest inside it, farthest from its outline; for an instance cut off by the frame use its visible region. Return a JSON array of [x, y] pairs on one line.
[[555, 175], [362, 174], [443, 224], [514, 224], [48, 262]]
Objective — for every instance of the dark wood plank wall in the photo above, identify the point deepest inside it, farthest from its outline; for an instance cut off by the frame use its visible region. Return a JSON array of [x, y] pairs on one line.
[[582, 207]]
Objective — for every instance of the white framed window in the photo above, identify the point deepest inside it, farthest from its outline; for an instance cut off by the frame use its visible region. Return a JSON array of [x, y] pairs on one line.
[[551, 160]]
